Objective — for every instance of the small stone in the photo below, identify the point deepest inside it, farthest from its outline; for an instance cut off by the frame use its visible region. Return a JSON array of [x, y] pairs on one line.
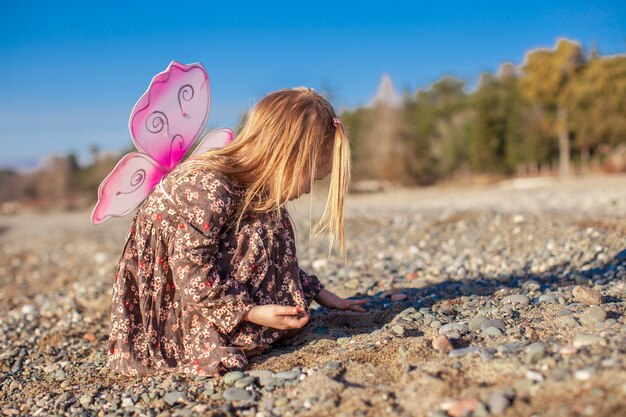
[[459, 353], [584, 339], [172, 397], [519, 299], [476, 322], [397, 329], [332, 365], [399, 297], [85, 400], [569, 322], [264, 376], [498, 402], [128, 402], [564, 312], [584, 374], [461, 328], [587, 296], [230, 377], [244, 382], [535, 352], [497, 323], [287, 375], [492, 332], [593, 315], [464, 407], [442, 344], [534, 376], [238, 394]]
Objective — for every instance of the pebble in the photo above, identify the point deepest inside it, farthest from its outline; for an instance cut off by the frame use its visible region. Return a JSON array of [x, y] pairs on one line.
[[461, 328], [584, 374], [173, 397], [287, 374], [497, 323], [498, 402], [593, 315], [463, 408], [461, 352], [535, 352], [584, 339], [238, 394], [229, 378], [399, 297], [519, 299], [476, 322], [244, 382], [264, 376], [492, 332], [587, 296], [442, 344], [397, 329]]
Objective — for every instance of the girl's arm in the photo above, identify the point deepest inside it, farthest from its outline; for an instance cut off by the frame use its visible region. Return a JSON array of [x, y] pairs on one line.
[[329, 299]]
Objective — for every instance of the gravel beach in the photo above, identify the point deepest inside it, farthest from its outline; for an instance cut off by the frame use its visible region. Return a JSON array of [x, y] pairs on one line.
[[501, 300]]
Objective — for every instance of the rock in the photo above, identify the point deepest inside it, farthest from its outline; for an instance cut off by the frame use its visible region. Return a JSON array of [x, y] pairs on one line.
[[492, 332], [583, 339], [332, 365], [584, 374], [287, 374], [244, 382], [519, 299], [229, 378], [464, 407], [127, 402], [85, 400], [498, 402], [497, 323], [587, 295], [397, 329], [593, 315], [564, 312], [476, 322], [461, 328], [459, 353], [399, 297], [442, 344], [568, 322], [535, 352], [238, 394], [264, 376], [173, 397]]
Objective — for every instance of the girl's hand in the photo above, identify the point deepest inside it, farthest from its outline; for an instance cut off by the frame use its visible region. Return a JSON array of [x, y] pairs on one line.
[[278, 317], [329, 299]]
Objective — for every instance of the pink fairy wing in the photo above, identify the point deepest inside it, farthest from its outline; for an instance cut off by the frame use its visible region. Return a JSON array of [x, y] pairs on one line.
[[170, 116], [130, 182], [217, 138]]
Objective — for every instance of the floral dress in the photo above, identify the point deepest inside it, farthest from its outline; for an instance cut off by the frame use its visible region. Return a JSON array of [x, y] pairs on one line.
[[185, 280]]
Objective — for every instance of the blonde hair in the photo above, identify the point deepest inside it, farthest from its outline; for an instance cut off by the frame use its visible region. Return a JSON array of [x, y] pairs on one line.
[[285, 136]]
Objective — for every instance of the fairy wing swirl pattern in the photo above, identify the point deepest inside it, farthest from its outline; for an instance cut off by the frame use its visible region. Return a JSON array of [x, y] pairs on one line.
[[171, 115], [130, 182]]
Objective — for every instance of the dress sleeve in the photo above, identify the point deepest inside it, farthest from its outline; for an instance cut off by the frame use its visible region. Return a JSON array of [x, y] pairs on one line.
[[205, 205], [311, 285]]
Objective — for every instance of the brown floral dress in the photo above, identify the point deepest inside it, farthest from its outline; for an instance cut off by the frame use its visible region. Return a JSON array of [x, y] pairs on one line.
[[185, 280]]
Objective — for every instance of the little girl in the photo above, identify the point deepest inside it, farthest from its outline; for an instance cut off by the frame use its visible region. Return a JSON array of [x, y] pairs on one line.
[[209, 274]]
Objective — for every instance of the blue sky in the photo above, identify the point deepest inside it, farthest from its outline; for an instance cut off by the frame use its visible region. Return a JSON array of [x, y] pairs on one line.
[[72, 71]]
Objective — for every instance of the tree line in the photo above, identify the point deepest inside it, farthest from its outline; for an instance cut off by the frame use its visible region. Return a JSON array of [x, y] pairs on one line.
[[560, 107]]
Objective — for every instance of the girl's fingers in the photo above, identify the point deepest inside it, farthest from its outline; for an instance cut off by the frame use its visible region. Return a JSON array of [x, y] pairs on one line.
[[286, 311], [294, 322]]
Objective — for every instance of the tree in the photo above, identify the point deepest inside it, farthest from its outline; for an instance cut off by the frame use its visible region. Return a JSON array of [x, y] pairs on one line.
[[597, 102], [547, 76]]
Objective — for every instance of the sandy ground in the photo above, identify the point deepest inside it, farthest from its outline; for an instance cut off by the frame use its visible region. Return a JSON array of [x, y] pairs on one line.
[[434, 264]]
